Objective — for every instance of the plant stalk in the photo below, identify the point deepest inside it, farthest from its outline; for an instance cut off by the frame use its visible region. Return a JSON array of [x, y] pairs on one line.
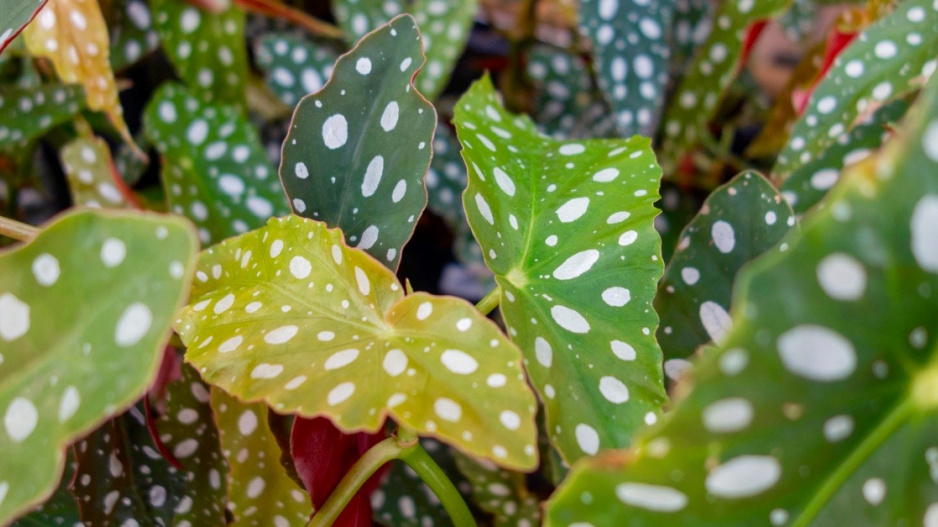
[[353, 480], [490, 302], [16, 230], [431, 474]]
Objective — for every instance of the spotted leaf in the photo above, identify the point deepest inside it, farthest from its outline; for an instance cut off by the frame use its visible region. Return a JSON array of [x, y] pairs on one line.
[[432, 363], [215, 169], [738, 222], [713, 69], [630, 52], [15, 15], [207, 49], [567, 228], [569, 105], [445, 27], [358, 150], [294, 66], [133, 34], [889, 59], [819, 407], [501, 493], [26, 114], [259, 491], [92, 179], [72, 34], [61, 508], [693, 20], [810, 182], [67, 367]]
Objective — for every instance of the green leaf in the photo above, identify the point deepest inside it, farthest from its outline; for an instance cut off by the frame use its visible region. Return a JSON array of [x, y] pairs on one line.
[[215, 169], [358, 150], [693, 20], [207, 49], [567, 229], [678, 208], [501, 493], [810, 182], [259, 490], [61, 508], [92, 181], [433, 363], [569, 105], [133, 34], [294, 66], [714, 68], [26, 114], [66, 366], [630, 52], [890, 58], [445, 27], [14, 15], [739, 221], [820, 406]]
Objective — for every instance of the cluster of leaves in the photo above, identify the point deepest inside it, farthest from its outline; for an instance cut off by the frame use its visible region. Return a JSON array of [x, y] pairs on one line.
[[771, 358]]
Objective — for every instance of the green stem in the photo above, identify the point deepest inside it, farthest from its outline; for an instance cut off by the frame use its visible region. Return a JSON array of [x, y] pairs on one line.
[[490, 302], [431, 473], [864, 450], [353, 480], [16, 230]]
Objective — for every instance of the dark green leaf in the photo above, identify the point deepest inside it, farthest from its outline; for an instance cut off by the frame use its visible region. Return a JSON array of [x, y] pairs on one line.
[[501, 493], [27, 114], [358, 150], [294, 66], [132, 32]]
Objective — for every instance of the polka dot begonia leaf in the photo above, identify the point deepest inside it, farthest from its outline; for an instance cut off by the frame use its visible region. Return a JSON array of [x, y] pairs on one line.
[[630, 53], [693, 21], [122, 477], [294, 66], [207, 49], [72, 34], [260, 493], [215, 170], [569, 105], [404, 500], [892, 57], [14, 15], [567, 228], [715, 66], [65, 367], [501, 493], [444, 24], [358, 150], [819, 408], [739, 221], [26, 114], [811, 181], [92, 180], [432, 363], [61, 508], [678, 208], [133, 34]]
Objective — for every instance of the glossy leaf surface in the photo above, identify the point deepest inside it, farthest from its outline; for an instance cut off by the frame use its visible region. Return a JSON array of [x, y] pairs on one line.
[[72, 34], [630, 52], [214, 167], [66, 367], [567, 228], [259, 491], [28, 113], [738, 222], [893, 56], [432, 363], [819, 407], [358, 150], [207, 49]]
